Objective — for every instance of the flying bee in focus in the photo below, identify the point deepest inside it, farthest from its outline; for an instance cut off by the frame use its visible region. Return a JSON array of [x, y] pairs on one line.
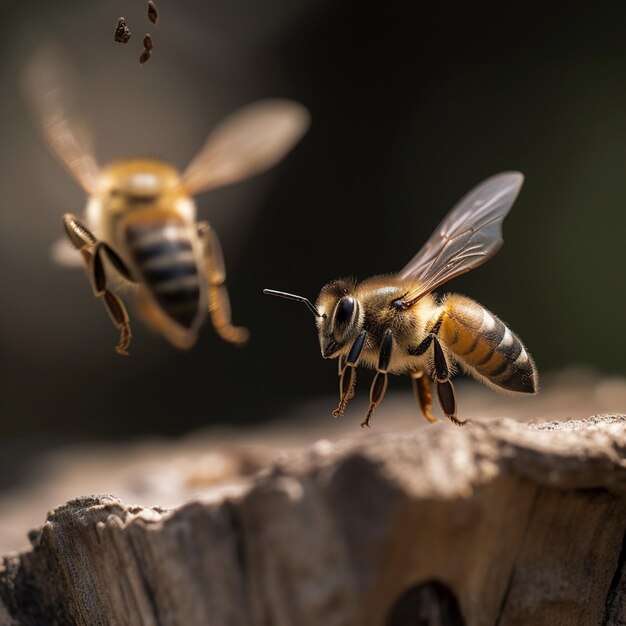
[[140, 223], [394, 324]]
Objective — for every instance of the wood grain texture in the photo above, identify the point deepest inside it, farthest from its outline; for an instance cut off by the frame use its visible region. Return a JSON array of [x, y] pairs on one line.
[[497, 523]]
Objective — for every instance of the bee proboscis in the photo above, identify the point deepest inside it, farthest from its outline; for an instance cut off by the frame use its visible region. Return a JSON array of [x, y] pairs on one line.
[[140, 223], [394, 324]]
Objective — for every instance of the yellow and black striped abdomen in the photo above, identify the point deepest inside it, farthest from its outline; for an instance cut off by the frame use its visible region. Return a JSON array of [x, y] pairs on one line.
[[485, 346], [163, 253]]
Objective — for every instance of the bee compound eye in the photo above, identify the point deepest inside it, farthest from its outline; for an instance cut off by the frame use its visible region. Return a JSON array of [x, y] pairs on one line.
[[345, 311]]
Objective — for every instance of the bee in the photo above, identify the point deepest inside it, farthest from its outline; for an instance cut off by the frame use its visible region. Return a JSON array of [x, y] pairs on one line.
[[140, 226], [395, 324]]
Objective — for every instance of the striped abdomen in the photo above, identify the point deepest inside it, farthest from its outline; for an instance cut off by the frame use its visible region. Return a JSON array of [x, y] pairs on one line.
[[163, 253], [485, 346]]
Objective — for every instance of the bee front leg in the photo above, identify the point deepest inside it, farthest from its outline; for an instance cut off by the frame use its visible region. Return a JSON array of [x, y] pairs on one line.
[[422, 389], [219, 303], [379, 384], [445, 390], [347, 374], [92, 250]]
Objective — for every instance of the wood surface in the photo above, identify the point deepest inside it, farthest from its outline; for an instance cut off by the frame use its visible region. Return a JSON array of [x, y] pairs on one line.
[[498, 523]]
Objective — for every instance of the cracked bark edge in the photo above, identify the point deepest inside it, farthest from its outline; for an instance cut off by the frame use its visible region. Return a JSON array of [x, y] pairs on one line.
[[506, 523]]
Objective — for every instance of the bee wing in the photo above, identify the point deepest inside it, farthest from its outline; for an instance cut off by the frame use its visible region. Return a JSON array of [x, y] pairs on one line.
[[247, 142], [468, 236], [48, 84]]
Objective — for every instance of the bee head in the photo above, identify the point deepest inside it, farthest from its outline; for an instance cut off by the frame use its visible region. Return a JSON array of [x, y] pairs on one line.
[[337, 314], [340, 318]]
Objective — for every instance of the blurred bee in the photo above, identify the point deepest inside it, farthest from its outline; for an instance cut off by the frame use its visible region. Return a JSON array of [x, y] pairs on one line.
[[394, 324], [140, 222]]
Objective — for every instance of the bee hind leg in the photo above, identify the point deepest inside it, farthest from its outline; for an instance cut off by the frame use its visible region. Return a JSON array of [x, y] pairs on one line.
[[379, 384], [219, 303], [445, 390], [423, 393], [92, 252]]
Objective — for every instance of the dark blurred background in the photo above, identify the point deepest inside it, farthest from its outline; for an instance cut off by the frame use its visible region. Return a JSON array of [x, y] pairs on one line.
[[412, 104]]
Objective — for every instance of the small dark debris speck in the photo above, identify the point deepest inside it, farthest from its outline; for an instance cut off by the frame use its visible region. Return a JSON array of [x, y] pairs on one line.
[[153, 14], [147, 53], [122, 32]]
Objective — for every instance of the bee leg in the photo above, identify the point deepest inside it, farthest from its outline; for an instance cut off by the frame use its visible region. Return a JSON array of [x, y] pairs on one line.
[[347, 374], [92, 250], [347, 386], [379, 384], [342, 364], [424, 393], [219, 303], [445, 390]]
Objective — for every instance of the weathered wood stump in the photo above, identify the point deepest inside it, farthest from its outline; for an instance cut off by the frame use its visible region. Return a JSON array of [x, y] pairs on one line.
[[496, 523]]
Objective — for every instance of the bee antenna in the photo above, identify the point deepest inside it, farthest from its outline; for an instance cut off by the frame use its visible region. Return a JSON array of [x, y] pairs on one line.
[[291, 296]]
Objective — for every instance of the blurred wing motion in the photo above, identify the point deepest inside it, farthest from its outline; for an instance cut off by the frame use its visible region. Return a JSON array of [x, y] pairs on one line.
[[48, 86], [468, 236], [247, 142]]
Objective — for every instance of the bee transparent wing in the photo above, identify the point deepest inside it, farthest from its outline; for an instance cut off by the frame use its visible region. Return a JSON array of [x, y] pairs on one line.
[[468, 236], [247, 142], [49, 88]]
